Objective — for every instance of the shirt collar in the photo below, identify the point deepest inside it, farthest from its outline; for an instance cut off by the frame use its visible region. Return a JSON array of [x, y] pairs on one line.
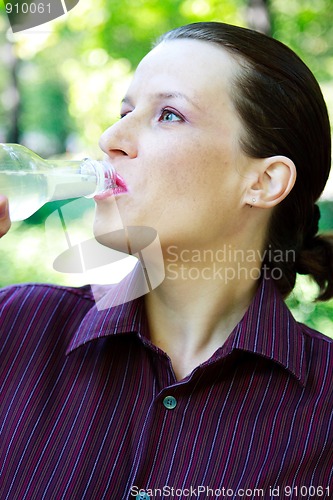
[[113, 313], [267, 329]]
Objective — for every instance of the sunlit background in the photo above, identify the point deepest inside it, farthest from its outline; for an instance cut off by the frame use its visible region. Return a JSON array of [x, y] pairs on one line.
[[61, 85]]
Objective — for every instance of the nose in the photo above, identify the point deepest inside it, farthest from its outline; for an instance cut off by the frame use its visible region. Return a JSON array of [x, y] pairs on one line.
[[119, 140]]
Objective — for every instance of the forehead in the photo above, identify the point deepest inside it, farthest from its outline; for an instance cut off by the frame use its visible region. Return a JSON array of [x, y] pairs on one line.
[[195, 64]]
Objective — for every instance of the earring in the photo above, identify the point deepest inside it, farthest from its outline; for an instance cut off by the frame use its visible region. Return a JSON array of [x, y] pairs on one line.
[[254, 200]]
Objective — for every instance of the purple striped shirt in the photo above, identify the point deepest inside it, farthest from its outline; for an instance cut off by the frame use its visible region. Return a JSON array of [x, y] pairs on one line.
[[90, 409]]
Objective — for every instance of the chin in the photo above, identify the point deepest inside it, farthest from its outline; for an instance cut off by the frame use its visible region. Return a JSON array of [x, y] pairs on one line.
[[116, 240], [107, 218]]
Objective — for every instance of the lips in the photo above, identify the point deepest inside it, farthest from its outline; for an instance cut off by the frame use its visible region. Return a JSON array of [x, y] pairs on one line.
[[119, 188], [121, 184]]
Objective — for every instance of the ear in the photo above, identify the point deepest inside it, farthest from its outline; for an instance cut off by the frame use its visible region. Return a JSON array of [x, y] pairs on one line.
[[274, 179]]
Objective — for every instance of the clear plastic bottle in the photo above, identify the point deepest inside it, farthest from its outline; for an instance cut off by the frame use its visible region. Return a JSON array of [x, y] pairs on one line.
[[30, 181]]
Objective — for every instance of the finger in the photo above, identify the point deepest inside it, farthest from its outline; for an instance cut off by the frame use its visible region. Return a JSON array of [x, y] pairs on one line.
[[4, 216]]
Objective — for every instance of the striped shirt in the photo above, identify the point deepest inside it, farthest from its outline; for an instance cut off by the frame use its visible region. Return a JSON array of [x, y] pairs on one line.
[[91, 409]]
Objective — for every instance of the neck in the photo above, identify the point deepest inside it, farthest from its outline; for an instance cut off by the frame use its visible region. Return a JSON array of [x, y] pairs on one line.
[[202, 298]]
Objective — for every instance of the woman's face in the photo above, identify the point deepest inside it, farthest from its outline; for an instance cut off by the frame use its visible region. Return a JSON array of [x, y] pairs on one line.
[[177, 148]]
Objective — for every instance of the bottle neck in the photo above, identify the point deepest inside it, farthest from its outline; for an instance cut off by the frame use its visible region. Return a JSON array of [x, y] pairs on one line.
[[104, 171], [87, 177]]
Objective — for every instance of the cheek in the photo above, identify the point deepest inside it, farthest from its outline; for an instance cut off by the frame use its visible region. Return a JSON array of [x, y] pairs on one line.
[[184, 168], [200, 174]]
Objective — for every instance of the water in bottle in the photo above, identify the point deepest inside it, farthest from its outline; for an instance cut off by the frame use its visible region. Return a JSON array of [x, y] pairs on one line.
[[29, 181]]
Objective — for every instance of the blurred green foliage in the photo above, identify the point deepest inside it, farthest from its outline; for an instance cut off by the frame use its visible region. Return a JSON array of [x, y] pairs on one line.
[[61, 85]]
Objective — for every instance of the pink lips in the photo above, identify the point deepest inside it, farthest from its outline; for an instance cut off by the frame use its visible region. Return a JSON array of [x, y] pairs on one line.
[[120, 188], [121, 184]]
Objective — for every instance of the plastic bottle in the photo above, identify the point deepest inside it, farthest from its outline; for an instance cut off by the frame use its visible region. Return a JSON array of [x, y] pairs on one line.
[[30, 181]]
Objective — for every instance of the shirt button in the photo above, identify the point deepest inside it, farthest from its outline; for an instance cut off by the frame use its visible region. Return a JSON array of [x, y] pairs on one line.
[[142, 496], [170, 402]]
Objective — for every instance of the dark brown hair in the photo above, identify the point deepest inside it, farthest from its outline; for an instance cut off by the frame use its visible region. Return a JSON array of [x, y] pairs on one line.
[[283, 113]]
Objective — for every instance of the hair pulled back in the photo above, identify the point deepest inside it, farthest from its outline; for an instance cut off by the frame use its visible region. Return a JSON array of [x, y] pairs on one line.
[[283, 113]]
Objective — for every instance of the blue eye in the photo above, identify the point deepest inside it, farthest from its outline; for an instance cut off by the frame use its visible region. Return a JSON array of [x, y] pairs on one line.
[[169, 116]]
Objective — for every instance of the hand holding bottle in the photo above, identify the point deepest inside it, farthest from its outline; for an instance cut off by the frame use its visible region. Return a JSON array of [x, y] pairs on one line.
[[4, 216]]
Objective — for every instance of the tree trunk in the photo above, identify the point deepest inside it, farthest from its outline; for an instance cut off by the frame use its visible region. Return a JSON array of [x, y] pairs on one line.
[[13, 134], [258, 16]]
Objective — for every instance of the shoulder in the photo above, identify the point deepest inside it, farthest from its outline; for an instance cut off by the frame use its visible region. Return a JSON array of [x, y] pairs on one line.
[[44, 292], [319, 355], [35, 315], [316, 337], [34, 311]]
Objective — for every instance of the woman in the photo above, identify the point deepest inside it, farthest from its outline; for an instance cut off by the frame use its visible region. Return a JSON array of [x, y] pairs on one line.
[[206, 387]]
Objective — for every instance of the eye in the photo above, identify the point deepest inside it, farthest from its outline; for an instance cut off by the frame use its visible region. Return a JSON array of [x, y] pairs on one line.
[[122, 115], [169, 116], [125, 110]]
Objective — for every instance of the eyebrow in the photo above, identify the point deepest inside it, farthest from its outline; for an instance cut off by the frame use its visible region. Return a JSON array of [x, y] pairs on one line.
[[166, 95]]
